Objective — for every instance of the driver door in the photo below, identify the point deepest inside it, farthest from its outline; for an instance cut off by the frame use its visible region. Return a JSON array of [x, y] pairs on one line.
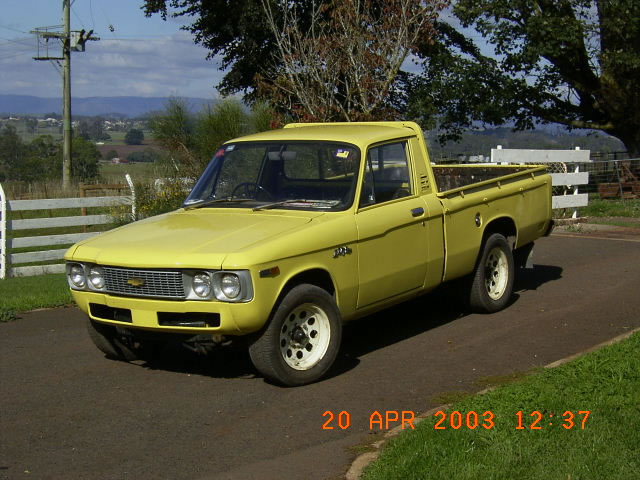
[[392, 239]]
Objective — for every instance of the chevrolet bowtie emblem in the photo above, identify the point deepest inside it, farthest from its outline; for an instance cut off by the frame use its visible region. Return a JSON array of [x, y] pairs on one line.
[[135, 282]]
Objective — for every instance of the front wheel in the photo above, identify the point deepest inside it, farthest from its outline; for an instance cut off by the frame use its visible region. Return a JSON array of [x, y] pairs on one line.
[[493, 276], [110, 342], [302, 339]]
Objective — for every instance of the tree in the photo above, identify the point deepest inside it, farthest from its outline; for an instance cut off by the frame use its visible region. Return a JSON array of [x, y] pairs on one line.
[[573, 62], [322, 58], [241, 38], [146, 155], [41, 159], [191, 139], [134, 137], [85, 158], [110, 155], [12, 150], [93, 129], [31, 124], [345, 64]]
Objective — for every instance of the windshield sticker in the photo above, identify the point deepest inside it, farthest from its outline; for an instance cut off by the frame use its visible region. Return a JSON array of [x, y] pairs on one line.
[[230, 148], [220, 153], [341, 153]]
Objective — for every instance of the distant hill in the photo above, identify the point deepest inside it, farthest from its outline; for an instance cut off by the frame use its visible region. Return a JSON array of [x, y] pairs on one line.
[[90, 106], [480, 142]]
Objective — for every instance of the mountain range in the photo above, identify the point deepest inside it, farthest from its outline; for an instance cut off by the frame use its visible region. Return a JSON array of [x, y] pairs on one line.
[[90, 106]]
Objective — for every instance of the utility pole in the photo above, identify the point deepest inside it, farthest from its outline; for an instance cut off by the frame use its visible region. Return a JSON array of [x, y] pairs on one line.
[[66, 96], [71, 41]]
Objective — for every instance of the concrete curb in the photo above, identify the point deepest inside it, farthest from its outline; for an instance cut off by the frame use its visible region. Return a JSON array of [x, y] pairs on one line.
[[365, 459]]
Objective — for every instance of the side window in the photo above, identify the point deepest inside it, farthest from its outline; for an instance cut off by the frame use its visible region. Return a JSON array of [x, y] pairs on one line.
[[386, 174]]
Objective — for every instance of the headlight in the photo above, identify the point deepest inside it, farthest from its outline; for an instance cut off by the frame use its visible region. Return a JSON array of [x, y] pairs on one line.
[[96, 278], [76, 276], [230, 285], [201, 284]]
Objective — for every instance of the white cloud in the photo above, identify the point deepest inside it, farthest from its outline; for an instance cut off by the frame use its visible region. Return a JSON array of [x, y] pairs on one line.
[[155, 66]]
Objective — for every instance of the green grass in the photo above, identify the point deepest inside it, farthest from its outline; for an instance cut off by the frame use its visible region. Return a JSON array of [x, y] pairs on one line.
[[611, 208], [606, 382], [140, 172], [28, 293]]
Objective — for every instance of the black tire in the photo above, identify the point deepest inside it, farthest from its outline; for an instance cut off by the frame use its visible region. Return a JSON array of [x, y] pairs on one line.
[[301, 341], [492, 280], [111, 343]]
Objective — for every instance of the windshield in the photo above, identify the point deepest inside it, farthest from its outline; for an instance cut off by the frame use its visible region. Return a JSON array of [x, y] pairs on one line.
[[294, 175]]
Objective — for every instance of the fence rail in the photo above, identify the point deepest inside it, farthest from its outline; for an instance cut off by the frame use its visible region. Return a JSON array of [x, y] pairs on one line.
[[7, 241], [563, 180]]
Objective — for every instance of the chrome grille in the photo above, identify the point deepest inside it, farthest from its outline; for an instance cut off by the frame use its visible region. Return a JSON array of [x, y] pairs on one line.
[[144, 283]]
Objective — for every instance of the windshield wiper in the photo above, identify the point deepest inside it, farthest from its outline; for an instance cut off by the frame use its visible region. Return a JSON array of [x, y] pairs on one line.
[[205, 203], [267, 206]]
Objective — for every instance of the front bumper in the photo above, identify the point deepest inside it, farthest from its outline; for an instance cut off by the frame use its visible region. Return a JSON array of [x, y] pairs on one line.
[[185, 316]]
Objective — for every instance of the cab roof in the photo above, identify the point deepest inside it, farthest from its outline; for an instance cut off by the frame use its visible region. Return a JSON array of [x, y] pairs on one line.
[[358, 133]]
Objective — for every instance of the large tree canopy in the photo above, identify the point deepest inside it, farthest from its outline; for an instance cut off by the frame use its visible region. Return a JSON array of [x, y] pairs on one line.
[[317, 59], [573, 62]]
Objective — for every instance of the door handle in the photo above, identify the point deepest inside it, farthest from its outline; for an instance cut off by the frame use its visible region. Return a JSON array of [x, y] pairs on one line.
[[416, 212]]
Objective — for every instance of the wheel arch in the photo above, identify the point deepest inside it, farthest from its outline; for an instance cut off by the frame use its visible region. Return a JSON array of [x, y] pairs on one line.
[[317, 276], [505, 226]]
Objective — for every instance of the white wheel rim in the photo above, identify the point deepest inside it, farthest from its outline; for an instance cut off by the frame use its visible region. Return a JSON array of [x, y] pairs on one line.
[[496, 270], [304, 336]]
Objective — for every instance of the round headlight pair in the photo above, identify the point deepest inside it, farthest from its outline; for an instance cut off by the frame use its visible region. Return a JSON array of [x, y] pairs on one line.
[[78, 277], [227, 285]]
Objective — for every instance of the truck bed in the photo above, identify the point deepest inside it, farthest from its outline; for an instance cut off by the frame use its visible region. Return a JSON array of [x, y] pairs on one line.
[[450, 177]]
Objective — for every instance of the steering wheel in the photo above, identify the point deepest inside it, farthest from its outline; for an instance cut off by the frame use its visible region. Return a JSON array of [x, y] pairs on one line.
[[250, 190]]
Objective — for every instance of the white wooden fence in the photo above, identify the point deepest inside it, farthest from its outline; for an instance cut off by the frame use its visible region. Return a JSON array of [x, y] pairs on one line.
[[571, 179], [8, 225]]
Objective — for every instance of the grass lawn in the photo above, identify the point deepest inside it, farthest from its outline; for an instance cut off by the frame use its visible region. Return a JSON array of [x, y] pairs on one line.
[[611, 208], [27, 293], [606, 383]]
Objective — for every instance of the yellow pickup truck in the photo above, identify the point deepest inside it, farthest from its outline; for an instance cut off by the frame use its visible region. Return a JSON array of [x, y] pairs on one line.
[[289, 233]]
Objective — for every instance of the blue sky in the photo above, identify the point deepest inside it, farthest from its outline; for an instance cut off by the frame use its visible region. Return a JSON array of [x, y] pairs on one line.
[[142, 56]]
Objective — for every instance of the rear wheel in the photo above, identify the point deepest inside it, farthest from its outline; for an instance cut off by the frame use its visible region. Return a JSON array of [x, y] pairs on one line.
[[301, 341], [492, 284]]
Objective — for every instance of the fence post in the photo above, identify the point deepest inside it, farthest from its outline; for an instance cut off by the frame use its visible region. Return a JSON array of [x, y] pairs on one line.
[[575, 190], [3, 234], [133, 197]]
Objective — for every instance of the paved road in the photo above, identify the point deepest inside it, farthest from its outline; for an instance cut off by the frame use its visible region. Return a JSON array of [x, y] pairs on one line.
[[69, 413]]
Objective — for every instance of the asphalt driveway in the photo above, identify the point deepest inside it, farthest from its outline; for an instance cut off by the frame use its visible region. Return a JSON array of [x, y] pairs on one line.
[[68, 412]]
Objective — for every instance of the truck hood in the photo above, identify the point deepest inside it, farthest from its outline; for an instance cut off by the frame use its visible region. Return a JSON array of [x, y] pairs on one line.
[[186, 239]]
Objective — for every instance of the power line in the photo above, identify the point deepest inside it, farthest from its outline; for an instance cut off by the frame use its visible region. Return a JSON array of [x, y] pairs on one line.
[[78, 17], [17, 42], [13, 29], [16, 54], [93, 21]]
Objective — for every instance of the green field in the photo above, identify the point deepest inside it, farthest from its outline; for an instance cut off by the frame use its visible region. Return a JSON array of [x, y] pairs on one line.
[[140, 172], [602, 444]]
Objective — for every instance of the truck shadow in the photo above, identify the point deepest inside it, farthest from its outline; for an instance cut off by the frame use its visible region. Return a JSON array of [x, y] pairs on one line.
[[532, 278], [373, 332], [439, 307]]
